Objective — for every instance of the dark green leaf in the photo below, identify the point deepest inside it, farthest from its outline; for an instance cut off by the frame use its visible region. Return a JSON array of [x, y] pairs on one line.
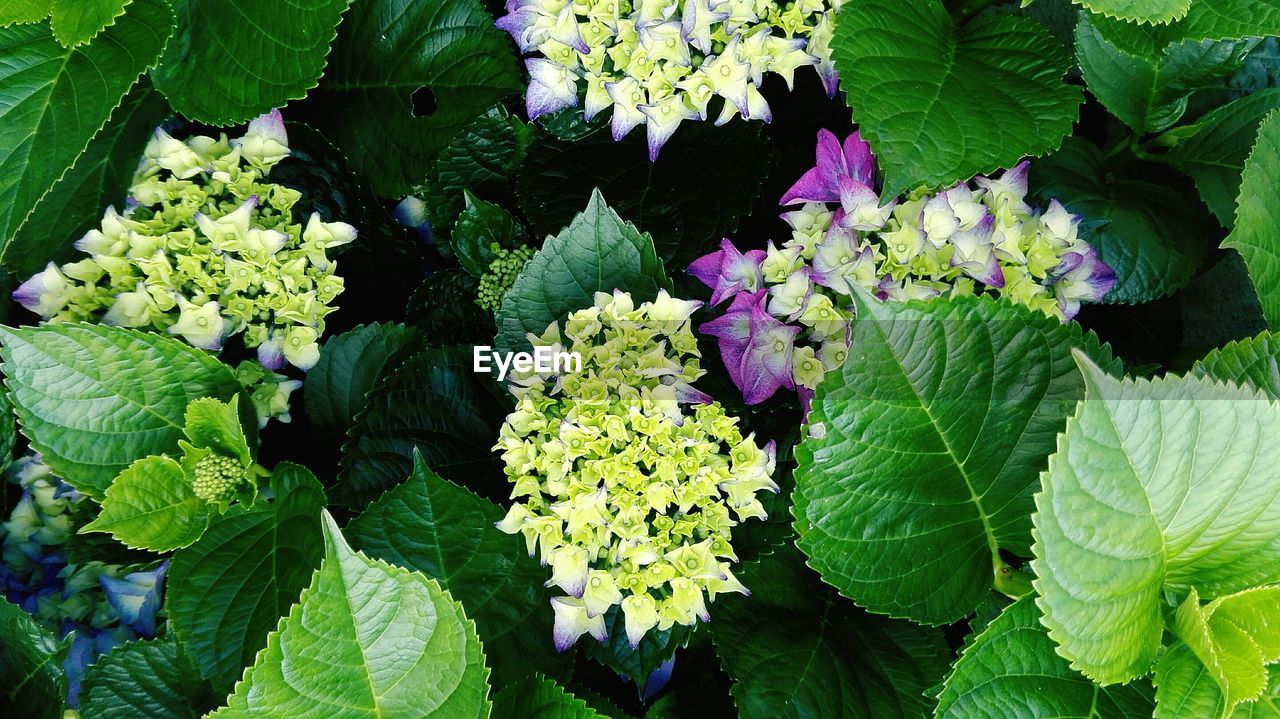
[[76, 22], [146, 680], [657, 647], [350, 366], [1256, 234], [1254, 361], [537, 697], [32, 683], [481, 226]]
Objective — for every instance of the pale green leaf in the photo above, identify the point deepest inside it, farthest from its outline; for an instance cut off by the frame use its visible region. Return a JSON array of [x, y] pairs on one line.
[[228, 590], [597, 252], [145, 680], [795, 649], [1011, 669], [23, 11], [933, 436], [1256, 234], [1152, 232], [93, 399], [388, 51], [152, 506], [1255, 361], [350, 366], [941, 103], [1146, 11], [32, 683], [1233, 638], [100, 177], [537, 697], [53, 100], [366, 639], [232, 60], [1215, 155], [444, 531], [1156, 485], [76, 22], [215, 424]]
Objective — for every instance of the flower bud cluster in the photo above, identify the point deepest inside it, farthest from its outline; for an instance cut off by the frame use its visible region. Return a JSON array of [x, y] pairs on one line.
[[788, 319], [627, 480], [660, 62], [502, 274], [206, 249], [99, 605]]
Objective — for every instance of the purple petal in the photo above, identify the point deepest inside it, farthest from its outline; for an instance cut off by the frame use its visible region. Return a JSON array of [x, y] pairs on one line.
[[810, 188], [861, 162], [707, 268]]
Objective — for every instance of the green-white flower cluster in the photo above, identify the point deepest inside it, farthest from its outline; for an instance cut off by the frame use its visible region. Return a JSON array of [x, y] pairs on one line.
[[207, 249], [628, 480], [660, 62], [502, 274]]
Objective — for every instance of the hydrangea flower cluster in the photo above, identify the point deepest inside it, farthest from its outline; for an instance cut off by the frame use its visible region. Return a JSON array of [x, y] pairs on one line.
[[99, 605], [660, 62], [206, 249], [502, 274], [628, 480], [790, 307]]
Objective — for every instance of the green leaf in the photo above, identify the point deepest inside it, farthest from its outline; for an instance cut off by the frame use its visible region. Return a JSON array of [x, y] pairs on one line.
[[1185, 689], [1233, 637], [1258, 218], [23, 11], [366, 639], [151, 506], [100, 177], [387, 52], [145, 680], [1211, 20], [1215, 155], [1151, 92], [1254, 361], [350, 366], [8, 431], [1153, 235], [215, 424], [941, 103], [687, 202], [597, 252], [76, 22], [54, 99], [1115, 526], [433, 526], [229, 589], [483, 157], [444, 308], [638, 664], [795, 649], [1148, 11], [31, 679], [480, 226], [934, 435], [92, 399], [434, 403], [232, 60], [1012, 663], [536, 697]]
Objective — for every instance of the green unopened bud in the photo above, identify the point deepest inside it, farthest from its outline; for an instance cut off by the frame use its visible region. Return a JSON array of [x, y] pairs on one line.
[[217, 478]]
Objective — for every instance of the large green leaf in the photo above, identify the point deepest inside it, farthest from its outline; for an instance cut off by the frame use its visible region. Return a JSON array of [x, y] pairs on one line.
[[92, 399], [1256, 234], [54, 99], [350, 365], [1185, 689], [444, 531], [795, 649], [1152, 233], [1012, 663], [1215, 155], [152, 506], [1148, 11], [433, 403], [1206, 20], [23, 11], [145, 680], [537, 697], [32, 683], [367, 639], [597, 252], [230, 588], [1151, 92], [687, 202], [933, 436], [941, 103], [100, 177], [1254, 361], [76, 22], [232, 60], [392, 52], [1156, 486]]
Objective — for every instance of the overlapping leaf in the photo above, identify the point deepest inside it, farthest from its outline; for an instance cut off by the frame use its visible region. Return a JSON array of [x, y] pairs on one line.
[[1254, 361], [1148, 11], [941, 103], [932, 437], [146, 680], [94, 399], [152, 506], [366, 639], [1215, 155], [1256, 234]]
